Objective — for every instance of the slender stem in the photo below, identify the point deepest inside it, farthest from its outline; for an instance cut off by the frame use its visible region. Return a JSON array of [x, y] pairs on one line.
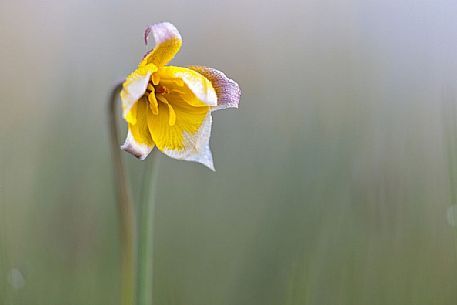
[[5, 263], [146, 231], [125, 206], [449, 121]]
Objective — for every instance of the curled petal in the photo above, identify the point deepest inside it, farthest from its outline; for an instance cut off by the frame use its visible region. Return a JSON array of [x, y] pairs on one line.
[[168, 42], [227, 90], [200, 87], [139, 150]]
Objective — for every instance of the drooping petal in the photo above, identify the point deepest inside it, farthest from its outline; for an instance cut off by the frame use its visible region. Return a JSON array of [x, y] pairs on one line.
[[182, 132], [134, 87], [139, 141], [197, 89], [227, 90], [168, 41]]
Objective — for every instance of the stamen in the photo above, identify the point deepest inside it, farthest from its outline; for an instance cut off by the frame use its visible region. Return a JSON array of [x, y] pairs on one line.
[[171, 116], [155, 79], [153, 104], [171, 111], [175, 82]]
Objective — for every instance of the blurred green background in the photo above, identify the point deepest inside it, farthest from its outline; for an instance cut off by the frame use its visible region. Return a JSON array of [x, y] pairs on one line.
[[336, 178]]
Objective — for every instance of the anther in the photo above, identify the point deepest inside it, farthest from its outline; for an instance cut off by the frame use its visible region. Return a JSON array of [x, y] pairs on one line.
[[161, 89]]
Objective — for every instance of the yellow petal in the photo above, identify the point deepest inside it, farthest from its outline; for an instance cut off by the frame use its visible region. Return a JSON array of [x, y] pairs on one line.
[[196, 146], [168, 42], [139, 130], [194, 88], [181, 135]]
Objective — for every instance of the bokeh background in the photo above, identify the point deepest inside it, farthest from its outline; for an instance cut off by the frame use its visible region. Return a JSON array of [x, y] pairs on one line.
[[336, 178]]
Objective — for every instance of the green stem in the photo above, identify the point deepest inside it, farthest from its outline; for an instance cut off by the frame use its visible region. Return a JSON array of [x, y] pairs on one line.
[[5, 264], [125, 207], [449, 121], [146, 231]]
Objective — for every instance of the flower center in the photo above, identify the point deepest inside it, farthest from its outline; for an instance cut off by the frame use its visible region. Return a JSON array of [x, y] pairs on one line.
[[155, 94], [160, 89]]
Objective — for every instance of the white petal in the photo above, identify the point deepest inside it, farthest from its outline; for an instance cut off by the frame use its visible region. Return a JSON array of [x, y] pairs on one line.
[[134, 88]]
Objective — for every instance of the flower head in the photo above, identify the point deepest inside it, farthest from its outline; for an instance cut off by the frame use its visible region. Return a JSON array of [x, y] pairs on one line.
[[170, 107]]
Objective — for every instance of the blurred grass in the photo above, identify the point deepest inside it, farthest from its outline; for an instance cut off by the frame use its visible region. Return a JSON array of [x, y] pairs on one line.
[[332, 182]]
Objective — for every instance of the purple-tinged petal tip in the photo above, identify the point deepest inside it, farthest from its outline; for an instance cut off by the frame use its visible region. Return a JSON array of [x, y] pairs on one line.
[[227, 90], [161, 32]]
